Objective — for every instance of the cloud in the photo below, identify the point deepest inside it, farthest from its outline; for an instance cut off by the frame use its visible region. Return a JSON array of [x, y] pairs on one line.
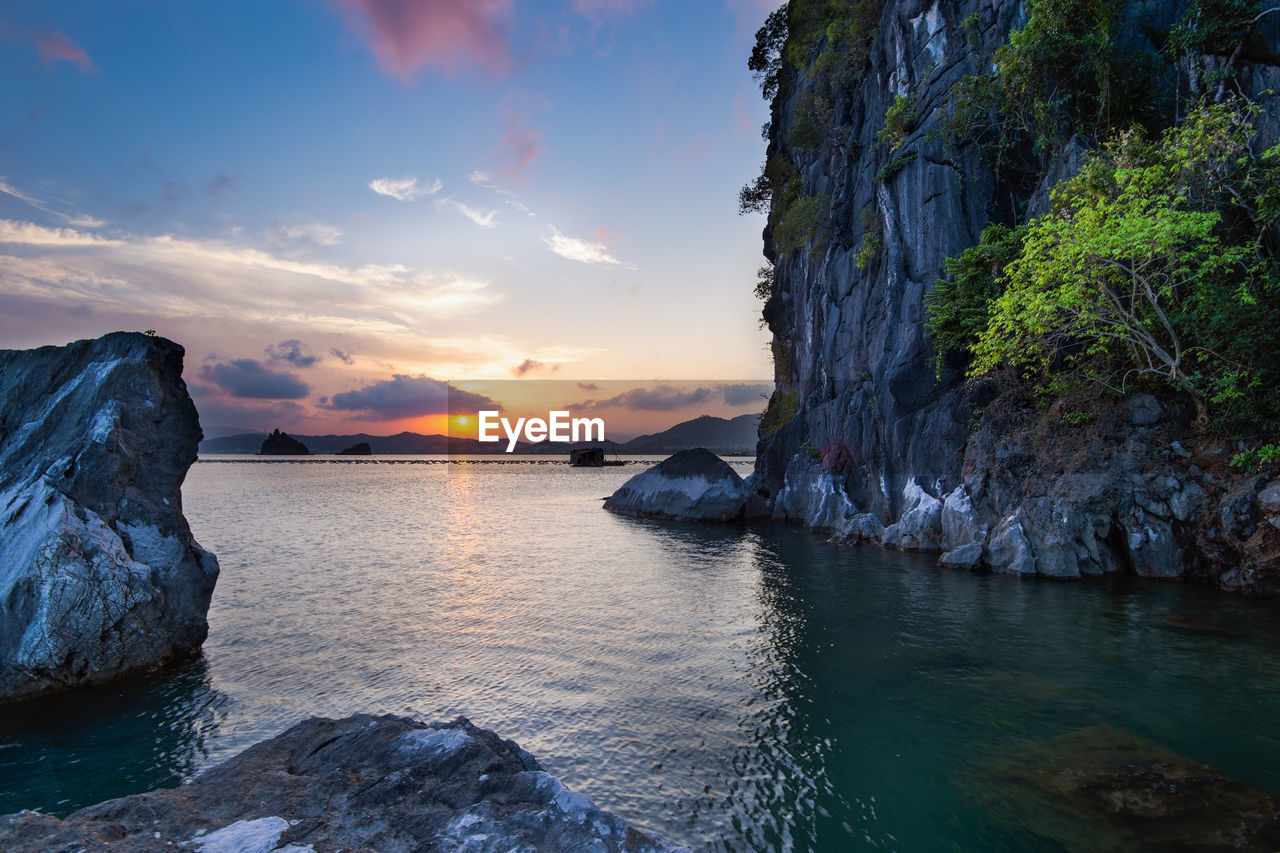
[[530, 366], [665, 398], [310, 232], [243, 413], [80, 220], [582, 251], [30, 234], [745, 393], [221, 183], [225, 283], [483, 219], [56, 47], [449, 35], [245, 377], [605, 235], [341, 356], [484, 179], [404, 396], [523, 208], [293, 351], [588, 386], [659, 398], [520, 145], [404, 189]]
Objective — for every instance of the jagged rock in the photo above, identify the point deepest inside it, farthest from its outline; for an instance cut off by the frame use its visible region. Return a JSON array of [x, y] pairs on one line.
[[99, 572], [920, 527], [965, 557], [1009, 552], [960, 522], [361, 448], [282, 444], [861, 527], [1143, 409], [1269, 503], [361, 783], [693, 484]]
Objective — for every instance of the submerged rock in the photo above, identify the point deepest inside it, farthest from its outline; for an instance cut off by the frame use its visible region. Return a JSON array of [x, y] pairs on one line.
[[282, 444], [693, 484], [99, 573], [1101, 788], [361, 783]]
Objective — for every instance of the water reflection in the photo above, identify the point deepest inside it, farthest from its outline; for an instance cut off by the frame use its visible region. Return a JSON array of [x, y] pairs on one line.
[[62, 752]]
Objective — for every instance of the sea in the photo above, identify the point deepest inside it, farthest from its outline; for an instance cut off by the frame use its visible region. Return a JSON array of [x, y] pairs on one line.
[[724, 687]]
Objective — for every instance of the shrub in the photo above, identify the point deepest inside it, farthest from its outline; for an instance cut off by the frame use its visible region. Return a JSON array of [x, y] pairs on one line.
[[899, 121], [1158, 261]]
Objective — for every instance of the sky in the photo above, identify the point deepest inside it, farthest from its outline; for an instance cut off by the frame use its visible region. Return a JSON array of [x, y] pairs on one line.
[[337, 206]]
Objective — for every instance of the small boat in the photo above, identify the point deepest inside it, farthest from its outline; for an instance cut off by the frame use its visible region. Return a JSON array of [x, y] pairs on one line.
[[591, 457]]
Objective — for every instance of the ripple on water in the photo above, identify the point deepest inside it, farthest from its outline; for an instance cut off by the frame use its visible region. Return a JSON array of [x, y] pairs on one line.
[[732, 689]]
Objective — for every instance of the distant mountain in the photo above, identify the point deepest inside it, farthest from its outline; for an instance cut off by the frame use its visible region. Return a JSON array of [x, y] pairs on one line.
[[716, 434]]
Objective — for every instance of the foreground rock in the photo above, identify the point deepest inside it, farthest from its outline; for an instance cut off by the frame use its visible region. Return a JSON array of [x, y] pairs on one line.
[[362, 783], [693, 484], [99, 573], [282, 444], [1100, 788]]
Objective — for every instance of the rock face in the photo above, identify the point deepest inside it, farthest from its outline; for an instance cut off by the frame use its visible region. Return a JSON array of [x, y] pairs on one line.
[[282, 444], [693, 484], [99, 573], [899, 461], [360, 448], [361, 783]]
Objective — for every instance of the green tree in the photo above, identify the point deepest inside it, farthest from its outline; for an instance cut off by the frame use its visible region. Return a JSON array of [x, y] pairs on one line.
[[1158, 260]]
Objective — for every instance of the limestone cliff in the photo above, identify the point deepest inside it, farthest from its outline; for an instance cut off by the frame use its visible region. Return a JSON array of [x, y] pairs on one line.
[[99, 572], [862, 435]]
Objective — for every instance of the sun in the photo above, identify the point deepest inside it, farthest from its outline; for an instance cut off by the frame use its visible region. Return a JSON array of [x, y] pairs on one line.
[[462, 421]]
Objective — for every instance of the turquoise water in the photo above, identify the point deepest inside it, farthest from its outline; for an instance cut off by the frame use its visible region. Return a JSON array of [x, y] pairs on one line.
[[729, 689]]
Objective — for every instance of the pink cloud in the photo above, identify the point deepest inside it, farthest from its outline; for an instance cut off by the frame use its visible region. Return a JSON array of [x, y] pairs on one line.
[[520, 145], [451, 35], [606, 235], [54, 47]]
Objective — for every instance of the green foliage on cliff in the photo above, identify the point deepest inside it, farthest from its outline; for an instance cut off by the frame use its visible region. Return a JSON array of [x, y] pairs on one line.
[[1159, 262], [1069, 70], [899, 120], [826, 41], [803, 221], [958, 306]]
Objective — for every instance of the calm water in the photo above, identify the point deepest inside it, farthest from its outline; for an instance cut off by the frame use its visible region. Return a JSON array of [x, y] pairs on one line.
[[727, 689]]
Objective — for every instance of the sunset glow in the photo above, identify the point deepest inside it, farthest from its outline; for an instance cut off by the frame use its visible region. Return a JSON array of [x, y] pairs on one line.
[[535, 190]]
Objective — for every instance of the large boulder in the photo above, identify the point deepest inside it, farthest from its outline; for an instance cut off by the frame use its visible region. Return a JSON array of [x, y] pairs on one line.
[[361, 783], [99, 573], [693, 484]]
